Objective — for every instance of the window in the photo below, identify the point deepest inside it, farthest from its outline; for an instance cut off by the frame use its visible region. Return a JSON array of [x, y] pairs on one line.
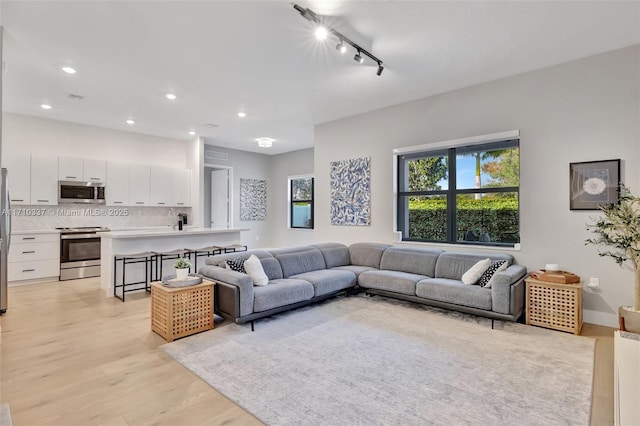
[[462, 195], [301, 202]]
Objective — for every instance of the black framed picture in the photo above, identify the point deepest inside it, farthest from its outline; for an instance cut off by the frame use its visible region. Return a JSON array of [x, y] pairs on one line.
[[593, 183]]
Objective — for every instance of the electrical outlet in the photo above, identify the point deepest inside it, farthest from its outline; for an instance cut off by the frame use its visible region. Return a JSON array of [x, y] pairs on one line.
[[594, 282], [257, 237]]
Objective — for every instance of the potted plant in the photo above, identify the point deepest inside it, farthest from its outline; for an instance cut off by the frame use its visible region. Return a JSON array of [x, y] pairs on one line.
[[618, 233], [182, 265]]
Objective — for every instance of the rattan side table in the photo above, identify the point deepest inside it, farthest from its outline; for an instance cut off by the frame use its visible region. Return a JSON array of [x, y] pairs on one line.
[[182, 311], [553, 305]]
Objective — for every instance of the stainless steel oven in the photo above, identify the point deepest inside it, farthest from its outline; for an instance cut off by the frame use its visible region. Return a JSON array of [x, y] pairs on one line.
[[80, 252]]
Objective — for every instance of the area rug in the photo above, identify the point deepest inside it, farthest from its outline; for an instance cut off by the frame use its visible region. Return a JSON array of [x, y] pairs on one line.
[[5, 415], [375, 361]]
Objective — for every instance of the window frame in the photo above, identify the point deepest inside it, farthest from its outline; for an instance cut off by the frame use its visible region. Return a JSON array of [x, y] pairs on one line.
[[450, 152], [291, 201]]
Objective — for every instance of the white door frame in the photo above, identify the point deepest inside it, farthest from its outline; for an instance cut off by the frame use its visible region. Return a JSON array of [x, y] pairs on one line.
[[231, 194]]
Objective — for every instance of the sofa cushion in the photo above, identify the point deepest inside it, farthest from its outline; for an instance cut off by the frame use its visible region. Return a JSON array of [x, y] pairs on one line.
[[454, 291], [327, 281], [280, 293], [298, 260], [367, 254], [356, 269], [487, 277], [452, 265], [254, 269], [413, 260], [269, 263], [334, 254], [399, 282]]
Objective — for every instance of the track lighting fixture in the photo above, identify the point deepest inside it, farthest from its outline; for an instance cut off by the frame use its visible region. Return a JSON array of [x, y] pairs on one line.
[[322, 32]]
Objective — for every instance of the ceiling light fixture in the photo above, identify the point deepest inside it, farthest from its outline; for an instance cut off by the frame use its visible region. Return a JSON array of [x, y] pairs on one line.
[[242, 114], [130, 121], [192, 133], [323, 28], [171, 96], [265, 142], [45, 106], [69, 70]]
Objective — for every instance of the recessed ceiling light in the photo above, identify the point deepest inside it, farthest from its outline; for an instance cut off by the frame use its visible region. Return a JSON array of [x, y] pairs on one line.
[[242, 114], [265, 142], [69, 70], [45, 106], [321, 32], [130, 121], [192, 133], [171, 96]]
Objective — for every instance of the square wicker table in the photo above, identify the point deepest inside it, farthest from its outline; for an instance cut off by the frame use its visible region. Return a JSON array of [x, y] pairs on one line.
[[553, 305], [182, 311]]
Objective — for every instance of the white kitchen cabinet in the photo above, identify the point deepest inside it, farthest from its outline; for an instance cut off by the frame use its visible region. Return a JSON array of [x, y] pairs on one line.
[[117, 187], [94, 170], [44, 180], [82, 169], [139, 180], [181, 187], [70, 169], [33, 256], [160, 186], [19, 177]]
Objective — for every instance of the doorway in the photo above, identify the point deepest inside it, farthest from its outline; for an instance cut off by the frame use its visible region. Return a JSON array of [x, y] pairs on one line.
[[221, 195]]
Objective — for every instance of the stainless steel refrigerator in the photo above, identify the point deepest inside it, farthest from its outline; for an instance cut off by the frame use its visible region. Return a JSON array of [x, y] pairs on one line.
[[5, 238]]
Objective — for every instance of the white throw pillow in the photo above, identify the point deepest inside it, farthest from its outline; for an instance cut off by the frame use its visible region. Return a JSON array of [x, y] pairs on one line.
[[254, 269], [475, 272], [500, 268]]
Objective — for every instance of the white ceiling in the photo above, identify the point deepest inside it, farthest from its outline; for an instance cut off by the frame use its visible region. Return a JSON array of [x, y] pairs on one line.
[[220, 57]]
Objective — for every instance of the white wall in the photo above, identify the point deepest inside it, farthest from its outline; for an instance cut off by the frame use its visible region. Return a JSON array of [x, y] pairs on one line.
[[246, 165], [61, 138], [282, 166], [583, 110]]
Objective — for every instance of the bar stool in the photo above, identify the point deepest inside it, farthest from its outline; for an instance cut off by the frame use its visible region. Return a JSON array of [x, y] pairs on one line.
[[234, 248], [204, 251], [161, 256], [131, 259]]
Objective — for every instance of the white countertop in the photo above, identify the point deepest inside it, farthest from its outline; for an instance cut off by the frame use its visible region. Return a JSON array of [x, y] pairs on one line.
[[164, 232]]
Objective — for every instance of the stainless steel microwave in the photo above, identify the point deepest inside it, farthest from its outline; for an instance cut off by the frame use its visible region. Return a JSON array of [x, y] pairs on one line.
[[71, 192]]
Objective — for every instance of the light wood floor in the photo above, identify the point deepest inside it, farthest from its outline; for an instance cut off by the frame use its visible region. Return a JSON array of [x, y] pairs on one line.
[[70, 356]]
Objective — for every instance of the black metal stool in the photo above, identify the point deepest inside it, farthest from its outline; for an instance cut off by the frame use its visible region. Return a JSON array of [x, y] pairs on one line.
[[233, 248], [204, 251], [131, 259], [161, 256]]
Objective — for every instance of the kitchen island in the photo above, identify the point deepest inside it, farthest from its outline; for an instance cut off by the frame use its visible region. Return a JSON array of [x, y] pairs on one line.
[[159, 240]]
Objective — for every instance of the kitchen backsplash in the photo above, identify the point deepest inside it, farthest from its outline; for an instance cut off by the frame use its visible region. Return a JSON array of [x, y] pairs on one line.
[[27, 218]]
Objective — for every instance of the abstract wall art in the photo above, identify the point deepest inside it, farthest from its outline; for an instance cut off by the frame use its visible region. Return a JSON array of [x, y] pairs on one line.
[[351, 192], [253, 199]]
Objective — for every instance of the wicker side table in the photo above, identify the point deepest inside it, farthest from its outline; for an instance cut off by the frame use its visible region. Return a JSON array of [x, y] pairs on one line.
[[555, 306], [179, 312]]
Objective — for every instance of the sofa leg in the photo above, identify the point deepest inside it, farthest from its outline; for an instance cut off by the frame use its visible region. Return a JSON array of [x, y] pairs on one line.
[[492, 321], [252, 328]]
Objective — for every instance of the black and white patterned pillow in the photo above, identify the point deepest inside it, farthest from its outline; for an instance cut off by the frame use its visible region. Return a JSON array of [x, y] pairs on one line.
[[236, 264], [489, 273]]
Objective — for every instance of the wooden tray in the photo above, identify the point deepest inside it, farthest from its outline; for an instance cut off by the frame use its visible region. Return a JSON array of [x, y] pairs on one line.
[[560, 277]]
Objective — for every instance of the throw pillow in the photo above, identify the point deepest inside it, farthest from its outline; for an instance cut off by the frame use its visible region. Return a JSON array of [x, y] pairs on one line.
[[236, 264], [498, 266], [255, 270], [475, 272]]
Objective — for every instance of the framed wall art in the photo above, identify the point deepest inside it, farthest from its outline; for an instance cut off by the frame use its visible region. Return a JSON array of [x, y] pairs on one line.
[[593, 183]]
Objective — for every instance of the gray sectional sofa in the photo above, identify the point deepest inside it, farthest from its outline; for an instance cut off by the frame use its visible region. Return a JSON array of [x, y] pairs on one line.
[[299, 276]]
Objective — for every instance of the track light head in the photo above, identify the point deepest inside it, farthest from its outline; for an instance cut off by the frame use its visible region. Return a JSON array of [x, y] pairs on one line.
[[358, 58], [321, 32], [380, 68], [340, 47]]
